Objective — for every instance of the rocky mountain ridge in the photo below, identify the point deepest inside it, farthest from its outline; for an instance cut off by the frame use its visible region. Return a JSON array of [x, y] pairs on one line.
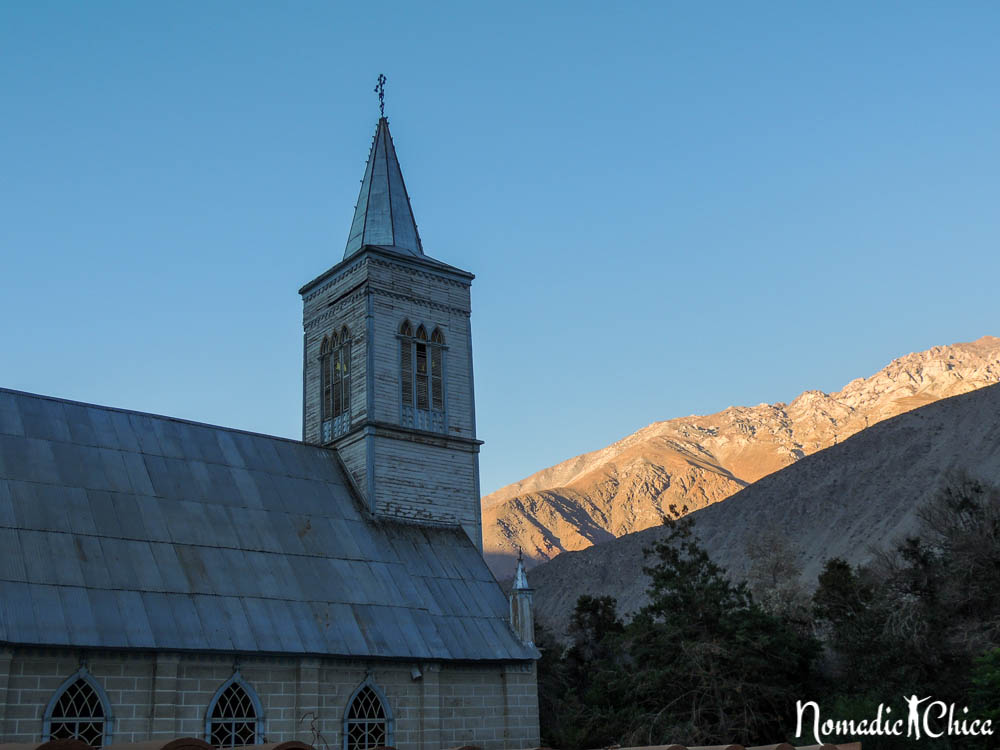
[[697, 461], [850, 501]]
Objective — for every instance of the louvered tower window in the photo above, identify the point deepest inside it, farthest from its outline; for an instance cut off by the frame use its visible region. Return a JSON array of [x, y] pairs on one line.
[[78, 710], [335, 383], [421, 363], [367, 724], [234, 717]]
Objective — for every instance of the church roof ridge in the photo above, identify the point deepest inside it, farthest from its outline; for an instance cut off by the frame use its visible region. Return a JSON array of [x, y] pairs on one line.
[[152, 415], [383, 215]]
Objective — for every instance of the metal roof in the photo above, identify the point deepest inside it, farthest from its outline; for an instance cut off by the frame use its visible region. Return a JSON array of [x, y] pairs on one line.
[[383, 216], [127, 530]]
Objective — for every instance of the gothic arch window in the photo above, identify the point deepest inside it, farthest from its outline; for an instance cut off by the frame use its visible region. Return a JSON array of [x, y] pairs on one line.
[[367, 721], [79, 709], [234, 717], [421, 364], [335, 383]]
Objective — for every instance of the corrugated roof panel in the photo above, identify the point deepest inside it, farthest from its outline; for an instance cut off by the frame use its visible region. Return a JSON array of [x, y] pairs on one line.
[[222, 487], [246, 488], [37, 464], [15, 603], [138, 475], [11, 559], [136, 619], [264, 631], [218, 577], [116, 555], [208, 444], [340, 537], [221, 527], [288, 454], [153, 520], [373, 630], [414, 641], [161, 481], [144, 566], [403, 580], [105, 434], [259, 570], [79, 616], [269, 460], [427, 625], [427, 595], [30, 510], [187, 522], [193, 566], [202, 482], [301, 618], [155, 618], [92, 561], [65, 564], [145, 434], [6, 505], [114, 471], [287, 533], [339, 628], [129, 516], [170, 439], [81, 430], [283, 616], [49, 616], [231, 454], [248, 450], [38, 562], [170, 567], [239, 627], [44, 419], [10, 416], [102, 510], [107, 616], [122, 425], [75, 506], [215, 623]]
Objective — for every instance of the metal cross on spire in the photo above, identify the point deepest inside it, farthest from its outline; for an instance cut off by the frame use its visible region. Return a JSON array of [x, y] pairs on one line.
[[380, 90]]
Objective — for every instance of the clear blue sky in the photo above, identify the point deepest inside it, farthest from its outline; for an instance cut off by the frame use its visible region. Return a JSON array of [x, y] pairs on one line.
[[670, 207]]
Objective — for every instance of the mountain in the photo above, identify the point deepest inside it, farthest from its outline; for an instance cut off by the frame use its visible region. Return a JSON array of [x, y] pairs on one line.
[[847, 501], [698, 461]]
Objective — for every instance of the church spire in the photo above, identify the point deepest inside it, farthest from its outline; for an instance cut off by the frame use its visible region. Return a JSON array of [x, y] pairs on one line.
[[383, 215]]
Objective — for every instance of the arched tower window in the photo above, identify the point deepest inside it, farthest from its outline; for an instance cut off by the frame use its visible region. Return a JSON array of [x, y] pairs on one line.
[[367, 721], [335, 379], [421, 363], [234, 717], [79, 709]]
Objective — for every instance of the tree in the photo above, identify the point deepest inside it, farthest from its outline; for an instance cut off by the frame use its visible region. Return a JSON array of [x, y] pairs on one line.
[[715, 667]]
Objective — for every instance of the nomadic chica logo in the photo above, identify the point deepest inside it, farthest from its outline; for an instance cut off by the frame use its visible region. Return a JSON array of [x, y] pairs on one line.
[[925, 718]]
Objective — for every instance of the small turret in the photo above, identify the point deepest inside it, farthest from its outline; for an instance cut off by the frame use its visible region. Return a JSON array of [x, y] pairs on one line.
[[522, 616]]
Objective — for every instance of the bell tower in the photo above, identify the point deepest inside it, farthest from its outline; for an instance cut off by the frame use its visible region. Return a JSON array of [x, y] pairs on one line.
[[387, 367]]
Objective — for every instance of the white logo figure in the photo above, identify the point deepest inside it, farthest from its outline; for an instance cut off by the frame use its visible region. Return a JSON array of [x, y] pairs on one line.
[[913, 721]]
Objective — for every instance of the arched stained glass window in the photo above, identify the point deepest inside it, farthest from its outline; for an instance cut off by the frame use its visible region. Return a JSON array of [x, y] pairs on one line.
[[422, 379], [79, 710], [335, 379], [234, 716], [367, 723]]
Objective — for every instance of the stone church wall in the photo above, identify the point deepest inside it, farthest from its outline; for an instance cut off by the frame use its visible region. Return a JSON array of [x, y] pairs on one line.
[[161, 695]]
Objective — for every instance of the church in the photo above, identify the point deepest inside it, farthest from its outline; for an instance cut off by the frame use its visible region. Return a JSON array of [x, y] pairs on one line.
[[163, 578]]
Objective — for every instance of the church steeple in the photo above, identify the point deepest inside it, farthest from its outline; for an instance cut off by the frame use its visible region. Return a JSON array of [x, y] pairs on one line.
[[387, 362], [383, 216]]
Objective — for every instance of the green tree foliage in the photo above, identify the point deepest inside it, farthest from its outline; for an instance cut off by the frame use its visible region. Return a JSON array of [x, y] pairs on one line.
[[708, 662], [716, 667], [701, 663]]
